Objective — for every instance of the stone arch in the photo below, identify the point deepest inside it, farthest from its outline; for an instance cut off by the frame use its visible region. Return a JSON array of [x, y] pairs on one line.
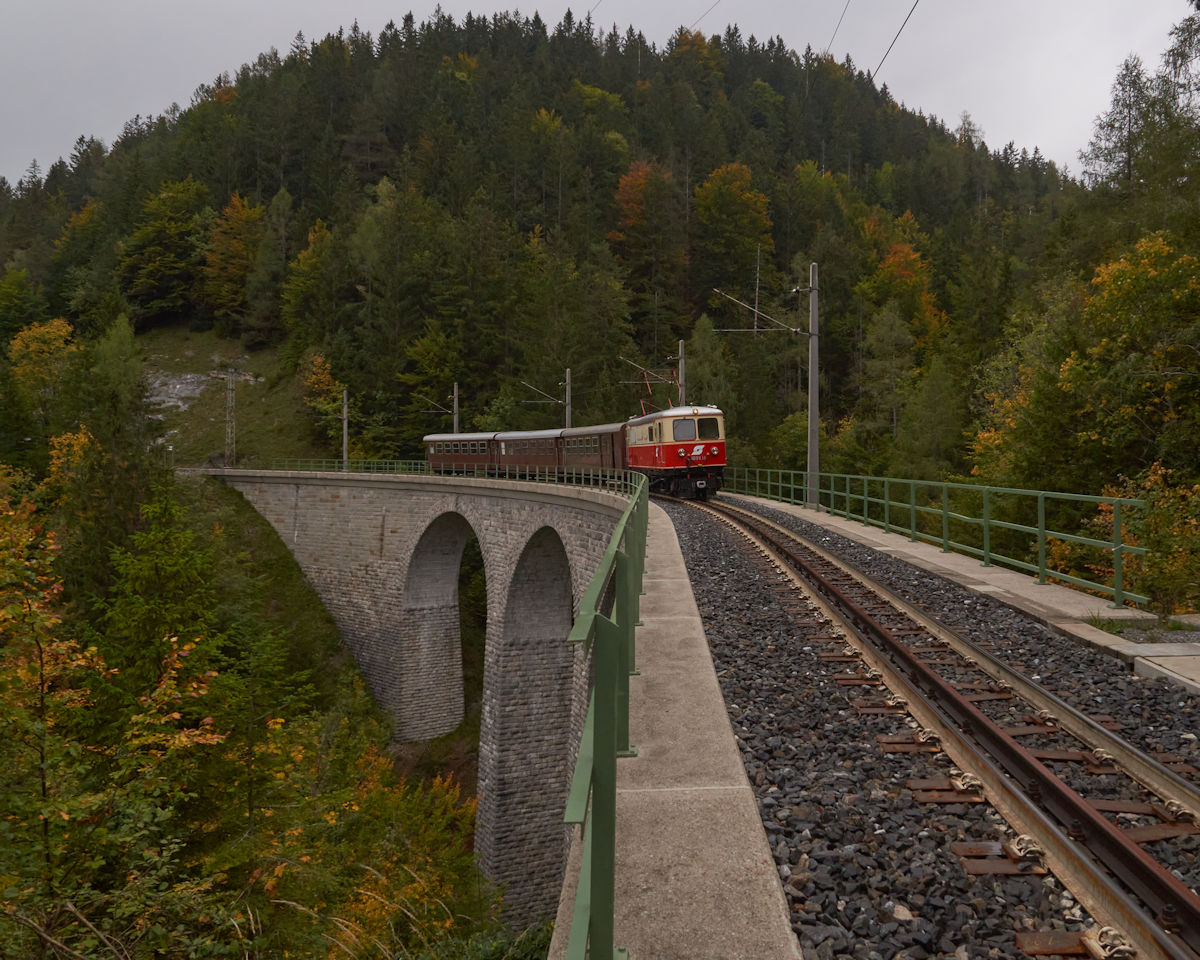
[[429, 671], [525, 742]]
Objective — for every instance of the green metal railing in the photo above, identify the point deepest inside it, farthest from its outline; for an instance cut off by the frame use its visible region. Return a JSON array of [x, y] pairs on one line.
[[338, 465], [608, 614], [979, 521], [623, 482]]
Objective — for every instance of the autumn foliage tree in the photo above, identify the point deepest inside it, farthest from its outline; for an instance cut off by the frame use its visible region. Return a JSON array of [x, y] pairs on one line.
[[732, 243], [1137, 372], [649, 242], [229, 259], [89, 840]]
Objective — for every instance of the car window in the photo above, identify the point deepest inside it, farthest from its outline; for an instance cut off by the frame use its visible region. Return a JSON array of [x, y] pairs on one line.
[[710, 428]]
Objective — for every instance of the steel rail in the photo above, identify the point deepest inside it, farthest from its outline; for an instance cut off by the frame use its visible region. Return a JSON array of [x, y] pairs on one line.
[[1155, 776], [1174, 932]]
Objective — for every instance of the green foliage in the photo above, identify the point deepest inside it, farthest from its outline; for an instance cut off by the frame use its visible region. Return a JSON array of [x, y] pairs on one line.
[[21, 303], [1169, 529], [225, 801], [532, 944], [160, 268]]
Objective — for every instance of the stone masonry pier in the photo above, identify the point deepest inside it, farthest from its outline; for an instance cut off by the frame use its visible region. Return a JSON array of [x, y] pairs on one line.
[[383, 552]]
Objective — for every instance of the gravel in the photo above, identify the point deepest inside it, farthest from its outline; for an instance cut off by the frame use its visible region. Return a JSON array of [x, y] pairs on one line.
[[867, 871]]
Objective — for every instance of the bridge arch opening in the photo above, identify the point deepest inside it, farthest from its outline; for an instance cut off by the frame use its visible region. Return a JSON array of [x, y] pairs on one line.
[[444, 611], [525, 744]]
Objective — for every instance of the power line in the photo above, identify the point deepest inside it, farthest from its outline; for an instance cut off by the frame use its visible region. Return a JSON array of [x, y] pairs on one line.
[[895, 38], [838, 27], [705, 13]]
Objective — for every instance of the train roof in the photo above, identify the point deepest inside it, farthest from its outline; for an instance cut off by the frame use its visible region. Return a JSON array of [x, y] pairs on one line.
[[588, 431], [687, 411], [438, 437], [530, 434]]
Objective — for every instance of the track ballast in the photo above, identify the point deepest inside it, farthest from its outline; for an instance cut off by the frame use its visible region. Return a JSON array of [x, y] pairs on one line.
[[868, 869]]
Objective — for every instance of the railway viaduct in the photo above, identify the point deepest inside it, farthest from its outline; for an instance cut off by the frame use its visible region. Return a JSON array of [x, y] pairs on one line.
[[383, 552]]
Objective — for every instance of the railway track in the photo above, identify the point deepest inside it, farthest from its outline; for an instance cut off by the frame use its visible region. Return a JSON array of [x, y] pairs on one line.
[[1092, 806]]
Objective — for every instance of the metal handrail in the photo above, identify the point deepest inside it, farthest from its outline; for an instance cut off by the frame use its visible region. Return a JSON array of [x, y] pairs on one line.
[[622, 482], [917, 507], [592, 799]]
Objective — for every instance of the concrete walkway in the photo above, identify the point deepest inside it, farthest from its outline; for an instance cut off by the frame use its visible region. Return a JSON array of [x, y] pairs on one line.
[[695, 877], [1069, 612]]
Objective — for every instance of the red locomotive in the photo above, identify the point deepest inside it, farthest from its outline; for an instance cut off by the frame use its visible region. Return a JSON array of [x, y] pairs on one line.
[[681, 450]]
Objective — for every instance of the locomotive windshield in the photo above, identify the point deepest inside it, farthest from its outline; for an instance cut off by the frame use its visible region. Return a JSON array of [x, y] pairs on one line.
[[684, 429]]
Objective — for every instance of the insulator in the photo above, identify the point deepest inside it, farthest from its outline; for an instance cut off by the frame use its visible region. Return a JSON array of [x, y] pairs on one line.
[[1103, 756], [1047, 717], [928, 736]]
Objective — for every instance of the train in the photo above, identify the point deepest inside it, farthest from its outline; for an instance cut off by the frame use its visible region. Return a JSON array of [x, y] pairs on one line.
[[681, 450]]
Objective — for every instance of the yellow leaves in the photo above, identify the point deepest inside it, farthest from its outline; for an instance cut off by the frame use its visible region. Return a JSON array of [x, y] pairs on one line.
[[322, 392], [39, 354]]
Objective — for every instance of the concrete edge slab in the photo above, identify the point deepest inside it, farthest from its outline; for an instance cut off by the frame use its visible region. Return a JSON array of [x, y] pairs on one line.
[[1168, 669]]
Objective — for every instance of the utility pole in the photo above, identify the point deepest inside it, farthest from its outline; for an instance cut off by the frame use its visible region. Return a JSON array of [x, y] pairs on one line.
[[568, 386], [814, 451], [230, 426], [813, 472], [345, 429], [682, 378], [456, 406]]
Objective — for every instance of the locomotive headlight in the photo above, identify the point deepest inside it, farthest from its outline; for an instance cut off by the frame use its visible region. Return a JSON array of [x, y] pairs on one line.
[[681, 453], [714, 451]]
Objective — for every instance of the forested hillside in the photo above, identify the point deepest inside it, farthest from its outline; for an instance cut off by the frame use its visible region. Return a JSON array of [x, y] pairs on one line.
[[489, 203], [495, 200]]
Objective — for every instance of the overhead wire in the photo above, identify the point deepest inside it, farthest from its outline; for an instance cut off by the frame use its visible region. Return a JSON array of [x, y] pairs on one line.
[[705, 13], [895, 38], [838, 27]]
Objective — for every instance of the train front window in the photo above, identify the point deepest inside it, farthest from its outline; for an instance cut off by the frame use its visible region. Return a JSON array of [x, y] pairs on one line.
[[710, 428], [684, 430]]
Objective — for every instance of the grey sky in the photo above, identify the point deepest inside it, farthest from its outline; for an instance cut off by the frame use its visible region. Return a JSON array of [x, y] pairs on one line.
[[1036, 72]]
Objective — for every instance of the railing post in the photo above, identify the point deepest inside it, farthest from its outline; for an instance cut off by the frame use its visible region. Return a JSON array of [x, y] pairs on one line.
[[623, 610], [987, 527], [912, 510], [602, 822], [1041, 538], [1118, 558], [887, 505], [945, 518]]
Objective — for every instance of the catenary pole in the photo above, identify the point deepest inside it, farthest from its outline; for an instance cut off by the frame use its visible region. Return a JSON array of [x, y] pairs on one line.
[[682, 378], [814, 452]]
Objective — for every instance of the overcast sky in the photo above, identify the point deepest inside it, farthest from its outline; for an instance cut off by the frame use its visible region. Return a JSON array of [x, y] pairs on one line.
[[1036, 72]]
